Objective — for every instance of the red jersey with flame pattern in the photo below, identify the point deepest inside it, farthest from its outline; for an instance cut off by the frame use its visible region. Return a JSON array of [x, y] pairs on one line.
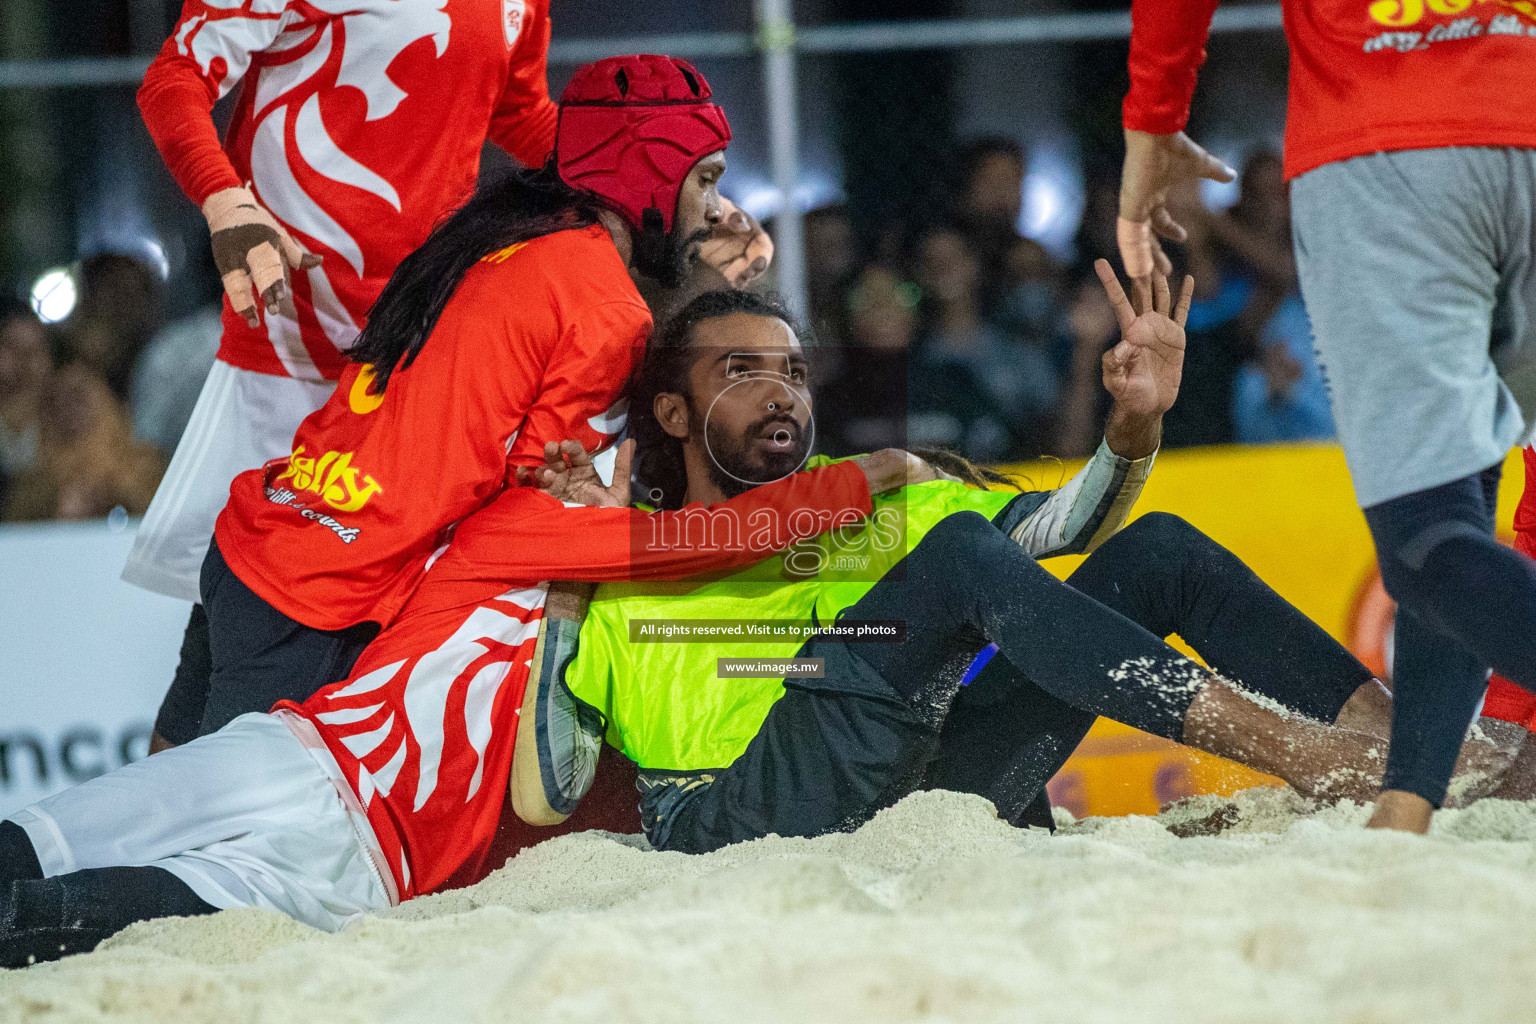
[[359, 123], [536, 345], [424, 727], [1366, 75]]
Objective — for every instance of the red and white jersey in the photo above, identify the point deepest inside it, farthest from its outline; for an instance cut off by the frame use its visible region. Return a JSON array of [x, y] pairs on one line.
[[423, 731], [359, 123]]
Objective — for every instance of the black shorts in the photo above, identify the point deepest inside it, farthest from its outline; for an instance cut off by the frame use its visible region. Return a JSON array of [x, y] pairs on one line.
[[833, 752], [825, 760], [256, 656]]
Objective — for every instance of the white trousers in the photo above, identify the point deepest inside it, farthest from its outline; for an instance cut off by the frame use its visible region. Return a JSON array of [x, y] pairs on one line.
[[242, 420], [248, 816]]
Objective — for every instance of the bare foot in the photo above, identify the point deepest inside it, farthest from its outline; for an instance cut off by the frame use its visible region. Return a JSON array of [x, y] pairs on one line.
[[1508, 735], [1404, 812], [1486, 759]]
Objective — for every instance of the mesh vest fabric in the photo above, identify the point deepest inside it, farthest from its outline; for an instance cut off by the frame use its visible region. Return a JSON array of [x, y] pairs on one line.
[[664, 704]]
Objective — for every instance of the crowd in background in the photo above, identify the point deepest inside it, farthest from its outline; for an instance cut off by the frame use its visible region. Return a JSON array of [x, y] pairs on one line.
[[73, 444], [946, 328], [996, 344]]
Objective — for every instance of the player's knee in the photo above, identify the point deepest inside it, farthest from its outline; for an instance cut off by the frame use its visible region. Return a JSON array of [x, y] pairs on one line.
[[1161, 531], [1162, 542], [960, 539], [1411, 560], [1422, 535]]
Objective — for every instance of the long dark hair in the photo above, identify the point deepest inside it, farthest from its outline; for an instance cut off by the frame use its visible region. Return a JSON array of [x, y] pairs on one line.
[[955, 464], [506, 209], [659, 475]]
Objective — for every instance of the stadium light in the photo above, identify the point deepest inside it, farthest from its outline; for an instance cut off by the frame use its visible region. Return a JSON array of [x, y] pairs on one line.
[[1053, 197], [54, 294]]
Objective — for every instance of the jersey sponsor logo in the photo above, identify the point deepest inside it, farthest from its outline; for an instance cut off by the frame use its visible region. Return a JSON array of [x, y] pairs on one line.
[[514, 13], [1405, 13], [361, 398], [333, 477], [283, 496]]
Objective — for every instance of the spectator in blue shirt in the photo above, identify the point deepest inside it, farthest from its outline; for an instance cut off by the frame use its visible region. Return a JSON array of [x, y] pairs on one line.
[[1282, 396]]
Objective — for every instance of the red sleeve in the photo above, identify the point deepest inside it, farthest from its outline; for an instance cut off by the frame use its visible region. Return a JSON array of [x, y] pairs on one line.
[[586, 372], [523, 123], [1167, 49], [525, 535], [205, 56]]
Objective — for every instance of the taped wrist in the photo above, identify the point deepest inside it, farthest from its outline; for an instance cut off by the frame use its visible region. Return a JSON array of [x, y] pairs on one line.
[[246, 239], [1086, 511]]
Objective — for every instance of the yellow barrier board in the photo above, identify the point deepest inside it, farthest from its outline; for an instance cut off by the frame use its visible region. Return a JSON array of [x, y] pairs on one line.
[[1288, 511]]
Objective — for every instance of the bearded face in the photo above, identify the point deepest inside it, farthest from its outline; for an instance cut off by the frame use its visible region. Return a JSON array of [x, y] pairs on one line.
[[678, 253], [769, 448]]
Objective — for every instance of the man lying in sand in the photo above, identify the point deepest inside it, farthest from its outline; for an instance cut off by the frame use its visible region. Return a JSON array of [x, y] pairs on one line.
[[729, 759], [389, 784]]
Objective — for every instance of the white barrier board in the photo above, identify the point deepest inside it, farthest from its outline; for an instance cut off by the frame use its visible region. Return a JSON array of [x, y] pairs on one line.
[[84, 657]]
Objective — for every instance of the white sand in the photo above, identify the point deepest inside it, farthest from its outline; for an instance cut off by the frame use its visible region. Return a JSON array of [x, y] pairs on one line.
[[935, 911]]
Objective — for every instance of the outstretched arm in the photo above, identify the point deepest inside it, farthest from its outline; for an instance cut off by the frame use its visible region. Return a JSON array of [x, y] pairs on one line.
[[1167, 49], [1142, 373], [525, 534]]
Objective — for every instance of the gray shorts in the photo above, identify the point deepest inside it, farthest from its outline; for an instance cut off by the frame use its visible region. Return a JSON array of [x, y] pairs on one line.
[[1419, 273]]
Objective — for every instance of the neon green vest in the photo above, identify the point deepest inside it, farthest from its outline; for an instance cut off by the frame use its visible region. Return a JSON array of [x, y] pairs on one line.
[[665, 705]]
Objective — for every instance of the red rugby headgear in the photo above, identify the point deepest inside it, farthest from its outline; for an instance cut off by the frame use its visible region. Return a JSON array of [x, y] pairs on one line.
[[630, 130]]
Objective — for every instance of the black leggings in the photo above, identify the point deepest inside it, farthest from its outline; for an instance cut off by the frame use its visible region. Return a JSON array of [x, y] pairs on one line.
[[1005, 737], [1095, 642], [181, 710], [47, 918], [1465, 603], [832, 752], [239, 655]]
